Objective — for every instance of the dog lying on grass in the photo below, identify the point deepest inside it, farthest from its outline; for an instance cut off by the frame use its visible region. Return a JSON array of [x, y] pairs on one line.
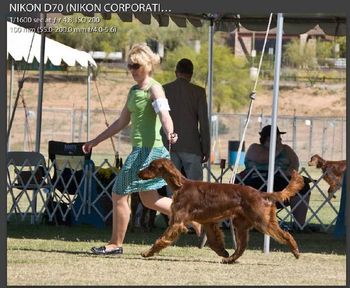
[[209, 203]]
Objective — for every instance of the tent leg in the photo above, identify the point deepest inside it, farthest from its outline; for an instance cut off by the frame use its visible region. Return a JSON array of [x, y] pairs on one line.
[[274, 115], [210, 87], [41, 84]]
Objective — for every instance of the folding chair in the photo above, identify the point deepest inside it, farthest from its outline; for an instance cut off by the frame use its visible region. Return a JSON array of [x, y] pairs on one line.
[[68, 161], [29, 174]]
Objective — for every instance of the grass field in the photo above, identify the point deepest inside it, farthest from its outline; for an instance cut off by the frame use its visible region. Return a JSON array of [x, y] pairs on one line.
[[49, 255]]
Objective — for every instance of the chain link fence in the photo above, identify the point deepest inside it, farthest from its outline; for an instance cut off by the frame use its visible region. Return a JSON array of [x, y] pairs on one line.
[[325, 136]]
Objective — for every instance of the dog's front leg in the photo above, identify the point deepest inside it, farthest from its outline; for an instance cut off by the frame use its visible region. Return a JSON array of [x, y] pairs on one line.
[[169, 236]]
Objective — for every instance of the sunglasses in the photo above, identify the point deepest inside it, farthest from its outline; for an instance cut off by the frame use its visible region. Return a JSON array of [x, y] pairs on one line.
[[134, 66]]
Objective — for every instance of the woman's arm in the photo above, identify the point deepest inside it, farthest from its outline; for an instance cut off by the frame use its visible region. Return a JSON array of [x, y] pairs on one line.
[[157, 92], [113, 129]]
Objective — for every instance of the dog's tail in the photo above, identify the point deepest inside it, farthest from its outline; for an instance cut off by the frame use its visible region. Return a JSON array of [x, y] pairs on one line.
[[295, 185]]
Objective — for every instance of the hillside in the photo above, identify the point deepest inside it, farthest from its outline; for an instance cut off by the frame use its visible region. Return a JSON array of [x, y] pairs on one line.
[[69, 91]]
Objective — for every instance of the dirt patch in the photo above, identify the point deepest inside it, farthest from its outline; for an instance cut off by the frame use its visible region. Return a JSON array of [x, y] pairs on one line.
[[302, 100], [69, 91]]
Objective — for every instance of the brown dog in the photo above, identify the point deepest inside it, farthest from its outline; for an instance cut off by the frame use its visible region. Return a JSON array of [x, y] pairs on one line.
[[332, 172], [209, 203]]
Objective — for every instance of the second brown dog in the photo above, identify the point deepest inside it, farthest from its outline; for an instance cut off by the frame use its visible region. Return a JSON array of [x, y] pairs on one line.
[[209, 203], [332, 172]]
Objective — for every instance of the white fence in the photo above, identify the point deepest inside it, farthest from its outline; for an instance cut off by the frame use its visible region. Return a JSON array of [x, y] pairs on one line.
[[325, 136]]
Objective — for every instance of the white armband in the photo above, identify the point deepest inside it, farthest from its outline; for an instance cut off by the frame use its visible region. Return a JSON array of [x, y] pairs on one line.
[[160, 104]]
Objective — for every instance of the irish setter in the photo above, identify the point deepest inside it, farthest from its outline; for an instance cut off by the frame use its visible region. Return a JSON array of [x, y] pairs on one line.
[[332, 170], [208, 203]]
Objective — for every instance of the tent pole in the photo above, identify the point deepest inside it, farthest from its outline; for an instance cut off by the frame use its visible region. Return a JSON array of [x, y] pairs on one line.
[[10, 101], [272, 150], [88, 102], [41, 83], [210, 88]]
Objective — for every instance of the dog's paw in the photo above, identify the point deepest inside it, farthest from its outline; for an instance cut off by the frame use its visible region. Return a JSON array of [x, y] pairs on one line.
[[296, 253], [224, 253], [147, 253], [227, 260]]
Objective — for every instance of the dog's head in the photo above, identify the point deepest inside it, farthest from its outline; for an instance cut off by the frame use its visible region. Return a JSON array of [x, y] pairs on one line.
[[316, 160], [165, 169]]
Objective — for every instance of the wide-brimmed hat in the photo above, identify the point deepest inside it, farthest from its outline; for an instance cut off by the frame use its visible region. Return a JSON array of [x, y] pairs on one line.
[[266, 131]]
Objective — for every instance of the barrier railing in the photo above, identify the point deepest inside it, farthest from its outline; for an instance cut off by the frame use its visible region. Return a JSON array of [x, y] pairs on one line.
[[39, 197]]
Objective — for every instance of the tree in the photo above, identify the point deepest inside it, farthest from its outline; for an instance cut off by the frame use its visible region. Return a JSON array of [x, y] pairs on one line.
[[105, 35], [324, 50], [300, 56]]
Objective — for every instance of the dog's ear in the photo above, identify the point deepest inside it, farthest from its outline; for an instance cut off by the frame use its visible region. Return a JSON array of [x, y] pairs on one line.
[[319, 161], [172, 174]]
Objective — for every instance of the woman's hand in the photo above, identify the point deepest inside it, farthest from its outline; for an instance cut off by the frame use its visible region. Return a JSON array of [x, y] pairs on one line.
[[88, 146]]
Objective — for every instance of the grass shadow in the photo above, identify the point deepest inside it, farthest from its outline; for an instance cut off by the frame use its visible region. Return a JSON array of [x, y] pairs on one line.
[[316, 242]]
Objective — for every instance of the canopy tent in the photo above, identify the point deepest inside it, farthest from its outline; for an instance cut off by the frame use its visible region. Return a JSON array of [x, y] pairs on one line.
[[24, 45], [19, 40], [331, 24]]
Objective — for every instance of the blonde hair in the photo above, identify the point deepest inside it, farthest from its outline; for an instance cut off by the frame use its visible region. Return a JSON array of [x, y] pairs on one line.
[[143, 55]]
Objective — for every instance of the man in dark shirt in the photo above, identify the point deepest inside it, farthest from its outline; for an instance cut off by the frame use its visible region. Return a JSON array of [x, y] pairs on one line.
[[189, 112]]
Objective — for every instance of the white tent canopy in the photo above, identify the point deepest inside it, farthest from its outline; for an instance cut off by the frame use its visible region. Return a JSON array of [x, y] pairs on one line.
[[24, 44], [20, 39]]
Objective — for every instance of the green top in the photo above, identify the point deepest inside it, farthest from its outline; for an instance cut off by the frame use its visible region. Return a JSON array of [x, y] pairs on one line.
[[145, 123]]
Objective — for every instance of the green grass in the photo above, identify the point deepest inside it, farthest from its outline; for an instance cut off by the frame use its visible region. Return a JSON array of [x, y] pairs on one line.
[[49, 255]]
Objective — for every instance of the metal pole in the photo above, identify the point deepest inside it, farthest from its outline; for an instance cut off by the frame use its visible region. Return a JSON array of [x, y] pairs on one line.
[[210, 86], [310, 137], [272, 150], [324, 139], [72, 124], [41, 83], [10, 102], [294, 131], [333, 139], [88, 102]]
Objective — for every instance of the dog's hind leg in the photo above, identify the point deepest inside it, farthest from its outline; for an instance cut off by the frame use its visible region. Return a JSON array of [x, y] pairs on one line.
[[215, 239], [282, 236], [242, 237], [169, 236]]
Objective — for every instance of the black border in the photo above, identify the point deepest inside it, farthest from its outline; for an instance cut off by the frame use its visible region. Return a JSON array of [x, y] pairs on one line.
[[247, 6], [3, 125]]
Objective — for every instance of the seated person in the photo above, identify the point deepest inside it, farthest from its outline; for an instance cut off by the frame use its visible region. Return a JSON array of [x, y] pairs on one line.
[[257, 156]]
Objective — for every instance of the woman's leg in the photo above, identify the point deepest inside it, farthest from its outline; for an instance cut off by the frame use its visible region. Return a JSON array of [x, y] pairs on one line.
[[121, 216], [153, 200]]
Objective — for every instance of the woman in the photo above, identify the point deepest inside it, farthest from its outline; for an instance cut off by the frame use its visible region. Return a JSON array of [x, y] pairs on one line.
[[257, 157], [148, 110]]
